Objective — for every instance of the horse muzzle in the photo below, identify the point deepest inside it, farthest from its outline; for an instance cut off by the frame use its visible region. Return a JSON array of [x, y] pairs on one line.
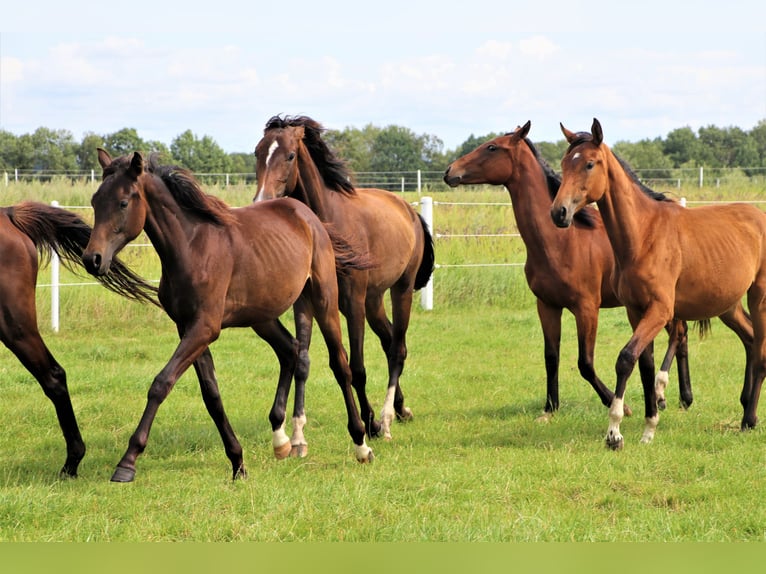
[[95, 263], [451, 179], [561, 215]]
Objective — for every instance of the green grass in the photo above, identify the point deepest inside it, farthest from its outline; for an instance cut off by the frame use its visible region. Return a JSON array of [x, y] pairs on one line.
[[474, 464]]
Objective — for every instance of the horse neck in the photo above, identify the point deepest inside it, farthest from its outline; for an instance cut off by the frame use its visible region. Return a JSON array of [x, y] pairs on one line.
[[167, 225], [531, 202], [624, 209]]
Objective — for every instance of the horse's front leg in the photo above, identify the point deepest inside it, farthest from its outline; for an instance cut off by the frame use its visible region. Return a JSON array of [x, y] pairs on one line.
[[285, 347], [645, 329], [193, 343], [550, 321], [208, 384]]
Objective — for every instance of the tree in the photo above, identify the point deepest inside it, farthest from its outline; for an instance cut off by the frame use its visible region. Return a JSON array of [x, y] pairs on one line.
[[681, 146], [124, 142], [53, 150], [553, 152], [87, 156], [199, 155], [396, 148], [353, 146], [758, 135], [645, 155]]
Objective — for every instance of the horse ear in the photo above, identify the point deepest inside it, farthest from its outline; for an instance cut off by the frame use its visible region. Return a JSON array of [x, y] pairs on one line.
[[571, 136], [523, 131], [137, 164], [104, 159], [596, 132]]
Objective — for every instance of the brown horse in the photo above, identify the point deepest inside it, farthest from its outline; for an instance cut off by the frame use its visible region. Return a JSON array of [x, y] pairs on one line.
[[569, 269], [293, 160], [30, 231], [671, 262], [221, 267]]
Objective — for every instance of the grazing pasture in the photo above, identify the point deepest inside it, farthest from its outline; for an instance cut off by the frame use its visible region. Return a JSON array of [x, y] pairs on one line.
[[473, 465]]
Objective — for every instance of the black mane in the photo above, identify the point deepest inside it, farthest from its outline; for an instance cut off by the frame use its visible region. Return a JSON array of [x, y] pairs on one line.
[[332, 169], [187, 191], [586, 215]]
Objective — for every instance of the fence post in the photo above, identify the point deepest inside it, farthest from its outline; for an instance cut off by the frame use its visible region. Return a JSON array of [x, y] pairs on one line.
[[55, 267], [427, 293], [701, 169]]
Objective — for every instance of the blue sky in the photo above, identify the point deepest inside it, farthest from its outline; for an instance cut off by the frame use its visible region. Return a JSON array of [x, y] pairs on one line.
[[449, 69]]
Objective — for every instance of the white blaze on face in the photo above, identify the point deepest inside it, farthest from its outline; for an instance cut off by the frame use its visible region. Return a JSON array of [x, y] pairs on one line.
[[272, 148]]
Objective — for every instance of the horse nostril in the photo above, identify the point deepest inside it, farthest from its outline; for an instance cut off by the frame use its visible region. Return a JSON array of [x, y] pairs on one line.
[[559, 215]]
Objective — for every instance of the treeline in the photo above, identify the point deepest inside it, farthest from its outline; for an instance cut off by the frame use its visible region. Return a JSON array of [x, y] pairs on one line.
[[374, 149]]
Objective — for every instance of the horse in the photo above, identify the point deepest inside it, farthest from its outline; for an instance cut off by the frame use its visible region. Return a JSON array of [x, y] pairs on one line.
[[293, 160], [569, 269], [222, 267], [29, 233], [672, 261]]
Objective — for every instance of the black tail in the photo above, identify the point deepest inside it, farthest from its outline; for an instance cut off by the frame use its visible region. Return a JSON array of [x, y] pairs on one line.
[[426, 268], [55, 229], [704, 327]]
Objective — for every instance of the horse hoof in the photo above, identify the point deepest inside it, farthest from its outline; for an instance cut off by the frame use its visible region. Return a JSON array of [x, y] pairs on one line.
[[661, 404], [122, 474], [282, 451], [614, 443], [374, 429], [405, 415], [240, 473], [626, 410], [299, 450]]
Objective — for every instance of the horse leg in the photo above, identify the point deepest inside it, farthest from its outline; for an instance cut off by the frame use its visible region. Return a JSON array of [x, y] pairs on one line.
[[739, 321], [756, 298], [208, 384], [663, 378], [646, 371], [304, 320], [587, 327], [193, 344], [285, 347], [35, 356], [392, 338], [645, 329], [325, 307], [550, 321], [352, 289], [686, 398]]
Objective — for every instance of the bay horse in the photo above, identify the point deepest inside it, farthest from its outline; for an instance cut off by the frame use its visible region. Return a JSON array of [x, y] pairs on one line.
[[672, 261], [293, 160], [29, 233], [565, 269], [222, 267]]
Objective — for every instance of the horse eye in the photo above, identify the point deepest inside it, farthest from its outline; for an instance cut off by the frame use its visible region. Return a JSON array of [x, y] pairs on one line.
[[123, 204], [291, 156], [589, 165], [492, 147]]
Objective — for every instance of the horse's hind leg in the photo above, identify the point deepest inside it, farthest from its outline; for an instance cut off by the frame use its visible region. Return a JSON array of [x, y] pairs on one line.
[[211, 396], [285, 346], [30, 349], [352, 296], [304, 319], [677, 349], [392, 338]]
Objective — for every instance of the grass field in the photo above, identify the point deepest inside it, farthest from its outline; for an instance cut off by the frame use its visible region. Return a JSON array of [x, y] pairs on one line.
[[474, 465]]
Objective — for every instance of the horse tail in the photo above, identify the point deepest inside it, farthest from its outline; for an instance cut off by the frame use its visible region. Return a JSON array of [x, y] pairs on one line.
[[426, 268], [704, 326], [347, 255], [53, 229]]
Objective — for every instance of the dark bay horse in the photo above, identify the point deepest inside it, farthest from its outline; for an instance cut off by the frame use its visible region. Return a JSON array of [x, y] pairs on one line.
[[671, 262], [293, 160], [222, 267], [565, 269], [29, 232]]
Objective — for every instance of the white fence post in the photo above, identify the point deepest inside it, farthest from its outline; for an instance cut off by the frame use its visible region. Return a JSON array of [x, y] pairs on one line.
[[427, 293], [55, 267]]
